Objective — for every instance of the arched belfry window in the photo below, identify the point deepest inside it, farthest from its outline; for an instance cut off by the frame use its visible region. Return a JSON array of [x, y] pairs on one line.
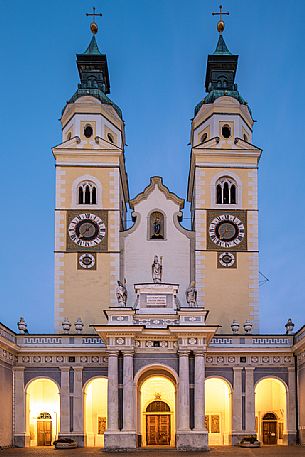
[[87, 193], [226, 191], [156, 226]]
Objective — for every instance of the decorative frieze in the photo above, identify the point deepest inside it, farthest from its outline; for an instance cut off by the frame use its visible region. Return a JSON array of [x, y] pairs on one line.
[[240, 359], [59, 360]]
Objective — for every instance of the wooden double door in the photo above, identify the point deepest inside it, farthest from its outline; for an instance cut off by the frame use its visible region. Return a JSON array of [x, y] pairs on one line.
[[158, 429], [44, 433], [270, 432]]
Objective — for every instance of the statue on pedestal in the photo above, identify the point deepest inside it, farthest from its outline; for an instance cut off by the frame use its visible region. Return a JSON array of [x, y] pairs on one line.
[[191, 295], [121, 293], [157, 269]]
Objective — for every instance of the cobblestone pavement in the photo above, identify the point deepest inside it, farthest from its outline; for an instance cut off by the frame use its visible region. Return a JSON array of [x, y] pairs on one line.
[[267, 451]]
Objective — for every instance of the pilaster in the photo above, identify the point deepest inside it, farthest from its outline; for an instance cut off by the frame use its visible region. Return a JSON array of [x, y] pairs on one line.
[[291, 407], [250, 401], [78, 409], [64, 402], [237, 405], [21, 438]]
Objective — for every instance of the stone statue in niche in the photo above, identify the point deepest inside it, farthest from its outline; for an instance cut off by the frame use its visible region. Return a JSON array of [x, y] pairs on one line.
[[157, 269], [191, 294], [157, 226], [121, 293]]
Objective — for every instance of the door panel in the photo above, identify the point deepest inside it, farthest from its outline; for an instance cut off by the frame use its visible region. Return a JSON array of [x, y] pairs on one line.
[[44, 433], [158, 430], [269, 432]]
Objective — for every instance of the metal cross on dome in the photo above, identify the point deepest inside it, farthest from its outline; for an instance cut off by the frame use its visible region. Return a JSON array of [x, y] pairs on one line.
[[221, 24], [93, 25]]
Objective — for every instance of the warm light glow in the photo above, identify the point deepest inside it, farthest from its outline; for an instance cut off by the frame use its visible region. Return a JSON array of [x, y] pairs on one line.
[[162, 389], [95, 409], [218, 411], [42, 396], [270, 397]]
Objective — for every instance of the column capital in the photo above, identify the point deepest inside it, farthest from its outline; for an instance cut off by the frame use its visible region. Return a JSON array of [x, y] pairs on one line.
[[127, 352], [113, 353], [20, 369], [64, 369], [238, 368], [249, 368], [199, 353], [183, 352], [78, 368]]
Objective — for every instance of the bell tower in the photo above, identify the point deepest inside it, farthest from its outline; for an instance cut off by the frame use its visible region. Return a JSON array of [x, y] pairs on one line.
[[222, 191], [91, 195]]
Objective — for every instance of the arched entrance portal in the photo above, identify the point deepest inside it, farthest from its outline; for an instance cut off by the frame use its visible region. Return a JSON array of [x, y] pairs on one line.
[[270, 411], [42, 411], [95, 411], [218, 411], [157, 399]]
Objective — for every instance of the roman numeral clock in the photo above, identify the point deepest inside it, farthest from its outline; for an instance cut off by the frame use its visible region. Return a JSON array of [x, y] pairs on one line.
[[87, 234], [227, 234]]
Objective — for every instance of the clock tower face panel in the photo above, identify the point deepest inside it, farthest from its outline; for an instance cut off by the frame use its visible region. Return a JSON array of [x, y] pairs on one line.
[[87, 230], [227, 230]]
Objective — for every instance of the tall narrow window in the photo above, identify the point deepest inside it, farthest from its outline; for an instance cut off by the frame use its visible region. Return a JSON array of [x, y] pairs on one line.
[[226, 191], [87, 193]]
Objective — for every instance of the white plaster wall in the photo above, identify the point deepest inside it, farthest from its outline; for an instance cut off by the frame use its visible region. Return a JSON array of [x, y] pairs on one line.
[[139, 251]]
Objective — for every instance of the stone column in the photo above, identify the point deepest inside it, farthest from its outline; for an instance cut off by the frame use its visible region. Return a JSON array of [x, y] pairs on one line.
[[184, 392], [128, 400], [64, 401], [78, 409], [20, 438], [113, 400], [237, 405], [291, 406], [199, 397], [250, 401]]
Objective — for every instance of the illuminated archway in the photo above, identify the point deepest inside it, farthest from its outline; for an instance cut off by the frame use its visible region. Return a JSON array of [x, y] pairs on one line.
[[270, 410], [95, 411], [156, 408], [42, 411], [218, 411]]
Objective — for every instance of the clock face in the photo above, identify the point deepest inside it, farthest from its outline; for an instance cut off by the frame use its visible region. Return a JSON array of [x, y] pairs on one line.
[[226, 231], [86, 261], [227, 259], [87, 230]]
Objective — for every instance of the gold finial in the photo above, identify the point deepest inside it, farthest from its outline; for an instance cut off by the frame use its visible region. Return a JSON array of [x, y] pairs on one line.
[[220, 24], [93, 25]]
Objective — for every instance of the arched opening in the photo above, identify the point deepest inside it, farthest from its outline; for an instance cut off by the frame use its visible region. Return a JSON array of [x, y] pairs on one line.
[[42, 412], [95, 411], [218, 411], [156, 407], [270, 411], [87, 193], [226, 191]]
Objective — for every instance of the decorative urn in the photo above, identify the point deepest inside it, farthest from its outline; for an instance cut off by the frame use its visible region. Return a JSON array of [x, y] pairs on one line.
[[66, 325], [79, 325], [289, 327], [235, 326], [248, 326], [22, 327]]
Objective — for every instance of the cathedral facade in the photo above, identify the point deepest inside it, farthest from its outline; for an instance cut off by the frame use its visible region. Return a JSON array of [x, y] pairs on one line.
[[157, 339]]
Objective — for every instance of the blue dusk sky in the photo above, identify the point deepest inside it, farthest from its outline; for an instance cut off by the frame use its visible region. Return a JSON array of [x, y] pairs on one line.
[[156, 51]]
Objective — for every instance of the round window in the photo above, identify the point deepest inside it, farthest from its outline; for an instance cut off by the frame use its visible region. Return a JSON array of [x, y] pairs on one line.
[[88, 131], [226, 131]]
